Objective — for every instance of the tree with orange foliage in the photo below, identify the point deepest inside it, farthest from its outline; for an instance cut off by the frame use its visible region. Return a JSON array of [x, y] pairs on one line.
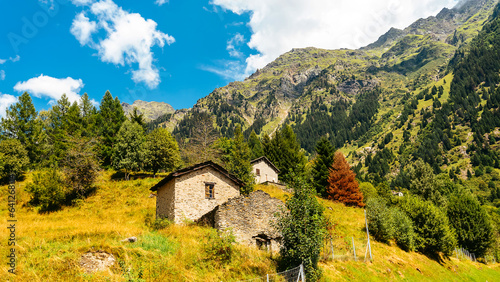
[[342, 186]]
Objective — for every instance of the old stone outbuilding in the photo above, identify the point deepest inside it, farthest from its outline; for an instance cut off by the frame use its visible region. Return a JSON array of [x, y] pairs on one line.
[[264, 171], [190, 193], [249, 218]]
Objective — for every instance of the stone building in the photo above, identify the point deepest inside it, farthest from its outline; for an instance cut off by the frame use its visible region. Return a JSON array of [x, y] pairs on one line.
[[190, 193], [249, 219], [265, 171]]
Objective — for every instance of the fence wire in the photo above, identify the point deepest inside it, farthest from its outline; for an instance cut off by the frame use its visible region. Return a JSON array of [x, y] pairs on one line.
[[292, 275], [348, 248]]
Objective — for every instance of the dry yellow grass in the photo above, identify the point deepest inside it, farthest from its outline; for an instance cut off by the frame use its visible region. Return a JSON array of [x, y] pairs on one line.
[[50, 245]]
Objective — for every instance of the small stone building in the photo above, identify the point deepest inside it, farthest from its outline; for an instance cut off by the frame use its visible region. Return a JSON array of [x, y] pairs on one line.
[[249, 219], [265, 171], [190, 193]]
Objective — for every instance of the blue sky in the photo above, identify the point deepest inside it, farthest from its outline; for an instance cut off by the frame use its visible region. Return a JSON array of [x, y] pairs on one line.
[[172, 51]]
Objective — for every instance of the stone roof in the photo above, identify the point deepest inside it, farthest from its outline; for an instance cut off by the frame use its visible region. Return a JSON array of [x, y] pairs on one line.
[[265, 159], [194, 168]]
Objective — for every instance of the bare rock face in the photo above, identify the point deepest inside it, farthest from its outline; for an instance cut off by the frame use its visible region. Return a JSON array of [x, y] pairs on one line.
[[96, 261], [352, 87], [150, 110]]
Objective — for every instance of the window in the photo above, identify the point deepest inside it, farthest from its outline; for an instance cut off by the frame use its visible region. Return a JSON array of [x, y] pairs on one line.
[[209, 190], [257, 172]]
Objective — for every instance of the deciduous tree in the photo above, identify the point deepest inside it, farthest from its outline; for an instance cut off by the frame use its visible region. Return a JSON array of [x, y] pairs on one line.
[[129, 150], [343, 186], [162, 151]]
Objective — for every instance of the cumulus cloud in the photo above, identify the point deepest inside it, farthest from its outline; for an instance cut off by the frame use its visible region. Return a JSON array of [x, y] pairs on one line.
[[279, 25], [82, 28], [161, 2], [5, 101], [52, 88], [129, 39]]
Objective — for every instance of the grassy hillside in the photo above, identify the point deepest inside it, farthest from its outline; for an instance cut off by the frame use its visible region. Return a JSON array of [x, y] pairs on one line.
[[50, 245]]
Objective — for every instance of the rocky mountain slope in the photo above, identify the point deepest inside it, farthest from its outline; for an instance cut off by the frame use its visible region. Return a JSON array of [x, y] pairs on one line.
[[150, 110]]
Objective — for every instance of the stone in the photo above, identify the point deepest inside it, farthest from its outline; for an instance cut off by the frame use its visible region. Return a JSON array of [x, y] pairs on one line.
[[96, 261], [131, 240]]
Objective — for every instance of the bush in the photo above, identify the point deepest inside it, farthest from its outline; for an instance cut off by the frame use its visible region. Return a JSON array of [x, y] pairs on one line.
[[404, 233], [219, 246], [300, 244], [432, 229], [47, 190], [471, 223], [379, 219], [368, 191], [158, 223]]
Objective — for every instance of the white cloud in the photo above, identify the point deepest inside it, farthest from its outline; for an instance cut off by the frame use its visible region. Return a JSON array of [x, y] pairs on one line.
[[2, 75], [82, 28], [279, 25], [81, 2], [15, 59], [233, 43], [5, 101], [129, 39], [230, 70], [161, 2], [53, 88], [2, 61]]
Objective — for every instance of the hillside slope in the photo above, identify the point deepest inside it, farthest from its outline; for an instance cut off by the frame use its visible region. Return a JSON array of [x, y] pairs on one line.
[[50, 245]]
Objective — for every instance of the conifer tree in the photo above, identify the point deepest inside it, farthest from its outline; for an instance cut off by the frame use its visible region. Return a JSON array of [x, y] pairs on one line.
[[255, 145], [88, 116], [110, 118], [322, 164], [238, 161], [284, 151], [20, 123], [343, 186]]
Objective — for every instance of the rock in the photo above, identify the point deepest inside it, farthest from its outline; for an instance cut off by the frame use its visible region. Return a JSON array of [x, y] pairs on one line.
[[131, 240], [96, 261]]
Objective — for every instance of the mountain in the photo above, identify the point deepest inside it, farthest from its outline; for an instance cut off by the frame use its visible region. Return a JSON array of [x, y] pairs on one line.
[[384, 105], [150, 110]]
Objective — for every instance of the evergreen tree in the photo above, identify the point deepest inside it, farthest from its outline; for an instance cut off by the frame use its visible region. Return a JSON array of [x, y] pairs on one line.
[[322, 164], [129, 150], [88, 115], [423, 183], [163, 151], [303, 228], [110, 118], [239, 164], [20, 123], [138, 117], [471, 222], [64, 120], [284, 151], [255, 145], [343, 186]]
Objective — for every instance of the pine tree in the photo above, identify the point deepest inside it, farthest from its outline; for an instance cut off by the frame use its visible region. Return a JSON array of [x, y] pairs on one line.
[[138, 117], [322, 164], [239, 161], [110, 118], [129, 150], [88, 116], [162, 150], [284, 151], [20, 123], [255, 145], [343, 186]]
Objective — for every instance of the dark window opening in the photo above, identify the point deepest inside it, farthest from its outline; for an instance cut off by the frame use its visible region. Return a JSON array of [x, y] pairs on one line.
[[209, 190], [257, 172]]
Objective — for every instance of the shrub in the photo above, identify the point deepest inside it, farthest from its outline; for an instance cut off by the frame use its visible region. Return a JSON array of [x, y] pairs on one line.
[[158, 223], [379, 219], [368, 191], [433, 232], [402, 227], [301, 244], [471, 223], [219, 246], [47, 190]]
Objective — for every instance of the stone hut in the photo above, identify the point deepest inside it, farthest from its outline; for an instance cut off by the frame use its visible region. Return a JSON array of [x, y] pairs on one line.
[[190, 193], [264, 170], [249, 219]]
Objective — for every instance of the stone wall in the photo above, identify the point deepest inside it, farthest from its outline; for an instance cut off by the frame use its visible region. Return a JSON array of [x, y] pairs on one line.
[[266, 172], [248, 218], [187, 200], [165, 201]]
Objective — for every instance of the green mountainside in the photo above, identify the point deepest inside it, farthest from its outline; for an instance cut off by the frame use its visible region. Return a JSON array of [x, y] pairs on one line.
[[150, 110]]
